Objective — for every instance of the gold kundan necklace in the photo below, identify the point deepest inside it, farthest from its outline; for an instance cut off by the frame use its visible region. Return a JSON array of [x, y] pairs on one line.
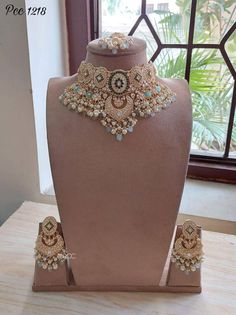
[[117, 98]]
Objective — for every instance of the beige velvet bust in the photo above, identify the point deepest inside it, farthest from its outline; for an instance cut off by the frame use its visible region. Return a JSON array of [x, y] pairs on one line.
[[118, 201]]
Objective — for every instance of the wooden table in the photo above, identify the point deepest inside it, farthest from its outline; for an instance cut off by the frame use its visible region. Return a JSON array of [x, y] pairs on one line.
[[17, 237]]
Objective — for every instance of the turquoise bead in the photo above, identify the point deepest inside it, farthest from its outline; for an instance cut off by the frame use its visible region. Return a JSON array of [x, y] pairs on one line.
[[130, 129], [119, 137], [76, 88], [158, 88], [89, 94], [148, 94]]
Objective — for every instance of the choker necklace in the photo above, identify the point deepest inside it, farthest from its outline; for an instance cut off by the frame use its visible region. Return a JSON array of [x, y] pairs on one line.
[[117, 98]]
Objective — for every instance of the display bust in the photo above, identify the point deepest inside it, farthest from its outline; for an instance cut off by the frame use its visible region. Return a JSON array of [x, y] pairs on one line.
[[118, 200]]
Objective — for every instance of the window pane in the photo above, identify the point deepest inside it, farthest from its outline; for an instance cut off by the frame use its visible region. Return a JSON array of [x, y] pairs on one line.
[[211, 82], [144, 32], [170, 63], [230, 48], [213, 20], [170, 19], [118, 15], [232, 153], [211, 86]]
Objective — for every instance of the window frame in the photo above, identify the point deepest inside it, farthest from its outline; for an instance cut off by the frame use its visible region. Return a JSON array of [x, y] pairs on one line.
[[84, 15]]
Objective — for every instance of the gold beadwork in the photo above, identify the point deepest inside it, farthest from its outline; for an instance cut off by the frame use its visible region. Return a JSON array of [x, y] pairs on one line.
[[49, 246], [49, 226], [100, 77], [85, 73], [187, 253], [118, 98], [118, 109], [136, 77]]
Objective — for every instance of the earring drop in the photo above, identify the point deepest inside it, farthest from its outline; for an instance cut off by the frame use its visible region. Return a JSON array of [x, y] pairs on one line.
[[187, 253], [49, 248]]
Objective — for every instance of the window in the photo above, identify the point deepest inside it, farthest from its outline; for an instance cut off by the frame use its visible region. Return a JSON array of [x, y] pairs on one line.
[[163, 6], [195, 40]]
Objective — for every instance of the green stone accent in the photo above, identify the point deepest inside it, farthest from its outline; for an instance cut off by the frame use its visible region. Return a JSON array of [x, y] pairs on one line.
[[148, 94], [49, 226], [76, 88], [89, 94], [158, 88]]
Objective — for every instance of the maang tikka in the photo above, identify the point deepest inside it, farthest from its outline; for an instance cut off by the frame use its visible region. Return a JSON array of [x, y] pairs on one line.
[[116, 41]]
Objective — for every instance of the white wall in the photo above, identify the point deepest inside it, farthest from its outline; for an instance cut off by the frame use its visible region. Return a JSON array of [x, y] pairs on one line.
[[19, 178], [48, 58]]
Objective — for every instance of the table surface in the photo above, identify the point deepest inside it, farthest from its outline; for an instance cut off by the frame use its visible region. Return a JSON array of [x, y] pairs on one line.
[[17, 237]]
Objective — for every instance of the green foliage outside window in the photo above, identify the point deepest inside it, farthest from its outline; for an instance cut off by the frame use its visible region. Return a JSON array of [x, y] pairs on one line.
[[211, 82]]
